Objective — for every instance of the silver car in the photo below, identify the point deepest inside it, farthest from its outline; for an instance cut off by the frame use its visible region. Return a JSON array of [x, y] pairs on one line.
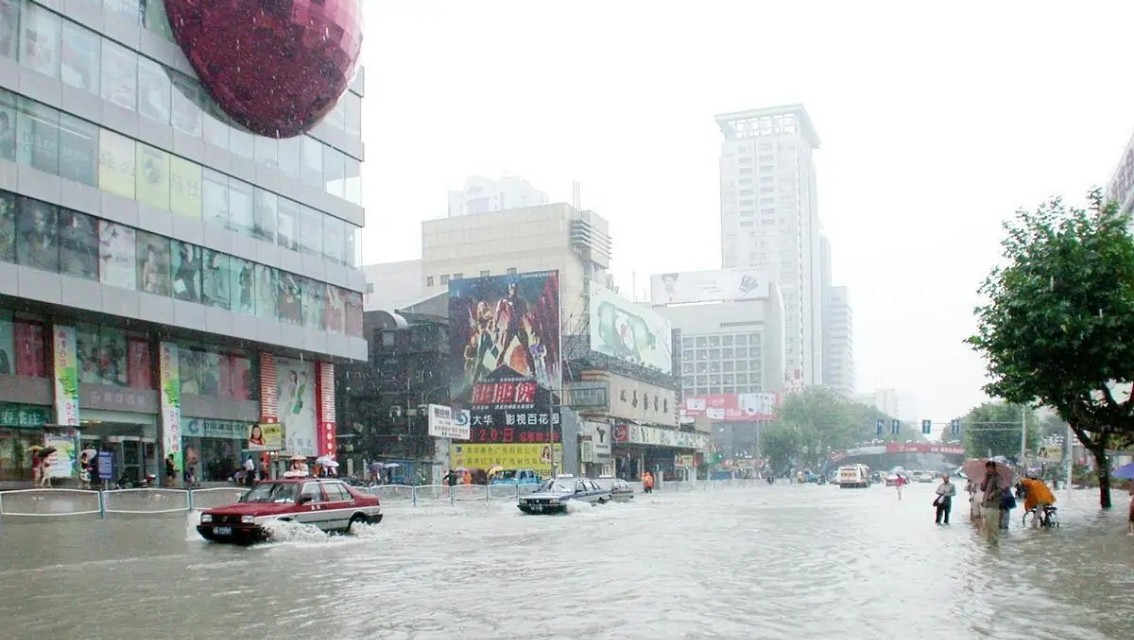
[[620, 490], [553, 495]]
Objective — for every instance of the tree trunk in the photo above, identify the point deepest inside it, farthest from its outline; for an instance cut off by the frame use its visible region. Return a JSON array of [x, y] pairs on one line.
[[1102, 467]]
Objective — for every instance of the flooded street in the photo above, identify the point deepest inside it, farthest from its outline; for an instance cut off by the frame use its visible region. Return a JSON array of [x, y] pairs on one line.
[[760, 562]]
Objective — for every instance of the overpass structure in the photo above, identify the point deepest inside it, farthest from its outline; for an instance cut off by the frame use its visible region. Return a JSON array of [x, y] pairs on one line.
[[951, 452]]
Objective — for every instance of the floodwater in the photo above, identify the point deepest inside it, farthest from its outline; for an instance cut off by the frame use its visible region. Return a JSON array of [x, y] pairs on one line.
[[752, 562]]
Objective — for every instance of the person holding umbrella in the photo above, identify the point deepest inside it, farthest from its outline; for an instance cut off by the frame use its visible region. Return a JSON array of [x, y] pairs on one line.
[[993, 492], [45, 467]]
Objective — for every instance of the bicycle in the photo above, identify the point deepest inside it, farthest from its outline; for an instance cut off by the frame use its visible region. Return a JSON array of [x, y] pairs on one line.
[[1049, 519]]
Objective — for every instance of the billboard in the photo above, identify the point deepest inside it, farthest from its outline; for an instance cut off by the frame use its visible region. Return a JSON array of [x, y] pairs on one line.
[[444, 422], [504, 329], [732, 407], [507, 412], [630, 332], [295, 405], [509, 456], [708, 286]]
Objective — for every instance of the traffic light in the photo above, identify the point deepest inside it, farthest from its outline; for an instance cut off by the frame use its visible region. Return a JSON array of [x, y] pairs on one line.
[[926, 426], [895, 426], [955, 426], [881, 426]]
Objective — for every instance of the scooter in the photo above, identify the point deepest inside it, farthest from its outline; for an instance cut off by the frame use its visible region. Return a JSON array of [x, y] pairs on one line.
[[125, 482]]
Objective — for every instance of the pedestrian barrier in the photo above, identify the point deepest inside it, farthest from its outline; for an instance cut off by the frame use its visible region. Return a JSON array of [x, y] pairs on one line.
[[53, 503]]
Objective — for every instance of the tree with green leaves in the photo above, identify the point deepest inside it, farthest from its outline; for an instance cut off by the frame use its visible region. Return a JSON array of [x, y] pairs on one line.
[[812, 423], [993, 429], [1058, 325]]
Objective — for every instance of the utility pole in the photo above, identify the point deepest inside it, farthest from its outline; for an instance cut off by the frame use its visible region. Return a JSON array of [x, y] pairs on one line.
[[1023, 435]]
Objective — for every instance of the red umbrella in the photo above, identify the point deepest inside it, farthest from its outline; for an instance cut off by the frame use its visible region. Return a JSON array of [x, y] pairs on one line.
[[975, 470]]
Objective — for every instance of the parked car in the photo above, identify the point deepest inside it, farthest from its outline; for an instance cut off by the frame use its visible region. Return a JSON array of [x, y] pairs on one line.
[[329, 504], [516, 477], [553, 495], [620, 490]]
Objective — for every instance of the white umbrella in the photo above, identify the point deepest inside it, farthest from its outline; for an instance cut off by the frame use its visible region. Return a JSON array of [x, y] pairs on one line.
[[89, 453], [331, 464], [324, 460], [298, 458], [391, 465]]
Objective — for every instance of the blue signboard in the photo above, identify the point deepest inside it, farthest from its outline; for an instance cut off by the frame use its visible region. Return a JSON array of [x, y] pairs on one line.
[[105, 466]]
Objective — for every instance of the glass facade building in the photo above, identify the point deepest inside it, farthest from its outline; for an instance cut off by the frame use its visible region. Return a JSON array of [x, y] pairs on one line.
[[167, 278]]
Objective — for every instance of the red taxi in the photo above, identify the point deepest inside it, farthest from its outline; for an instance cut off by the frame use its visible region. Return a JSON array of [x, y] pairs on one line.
[[326, 503]]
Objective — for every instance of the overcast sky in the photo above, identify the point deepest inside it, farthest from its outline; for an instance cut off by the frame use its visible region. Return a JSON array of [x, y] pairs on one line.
[[935, 127]]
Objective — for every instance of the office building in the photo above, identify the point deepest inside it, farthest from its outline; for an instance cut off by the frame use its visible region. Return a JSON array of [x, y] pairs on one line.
[[169, 279], [486, 195], [838, 329], [1120, 188], [770, 220]]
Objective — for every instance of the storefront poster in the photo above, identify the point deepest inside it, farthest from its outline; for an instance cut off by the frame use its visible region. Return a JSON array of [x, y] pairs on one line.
[[31, 359], [117, 255], [7, 344], [185, 188], [295, 396], [509, 456], [66, 376], [116, 164], [269, 389], [62, 461], [265, 436], [138, 364], [168, 376], [153, 177]]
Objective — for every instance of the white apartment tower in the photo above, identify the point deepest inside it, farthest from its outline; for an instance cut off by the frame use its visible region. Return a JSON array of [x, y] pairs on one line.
[[485, 195], [770, 220]]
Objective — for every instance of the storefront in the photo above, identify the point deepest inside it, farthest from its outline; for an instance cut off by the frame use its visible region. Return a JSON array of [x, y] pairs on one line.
[[638, 448], [130, 437], [21, 427], [214, 449]]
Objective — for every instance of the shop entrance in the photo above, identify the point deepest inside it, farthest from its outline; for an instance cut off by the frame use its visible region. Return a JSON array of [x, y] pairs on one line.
[[133, 450]]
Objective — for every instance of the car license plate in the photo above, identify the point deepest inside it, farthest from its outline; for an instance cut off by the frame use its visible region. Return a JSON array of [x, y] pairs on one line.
[[537, 507], [222, 531]]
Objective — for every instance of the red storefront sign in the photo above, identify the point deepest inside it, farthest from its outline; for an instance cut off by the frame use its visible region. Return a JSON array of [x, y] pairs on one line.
[[325, 428]]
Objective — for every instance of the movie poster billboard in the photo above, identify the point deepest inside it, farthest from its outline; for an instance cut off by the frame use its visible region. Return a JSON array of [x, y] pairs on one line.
[[708, 286], [295, 397], [628, 331], [504, 329]]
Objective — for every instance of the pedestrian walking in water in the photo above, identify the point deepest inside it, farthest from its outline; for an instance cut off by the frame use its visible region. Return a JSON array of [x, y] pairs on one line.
[[944, 502], [992, 492], [899, 483]]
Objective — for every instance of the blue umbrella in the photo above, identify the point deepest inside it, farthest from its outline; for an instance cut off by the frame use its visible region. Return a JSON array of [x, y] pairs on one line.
[[1126, 472]]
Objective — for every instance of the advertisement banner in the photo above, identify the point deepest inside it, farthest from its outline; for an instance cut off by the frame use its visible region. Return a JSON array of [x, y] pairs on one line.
[[443, 423], [260, 437], [641, 402], [509, 456], [185, 188], [653, 436], [732, 407], [504, 329], [153, 177], [326, 429], [269, 391], [708, 286], [169, 369], [630, 332], [62, 460], [66, 376], [295, 397], [514, 425], [599, 433], [116, 164]]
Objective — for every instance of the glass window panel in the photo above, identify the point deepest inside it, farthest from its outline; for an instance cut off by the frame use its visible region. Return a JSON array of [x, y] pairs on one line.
[[117, 255], [7, 227], [139, 363], [353, 107], [336, 119], [153, 177], [242, 286], [289, 304], [185, 195], [264, 215], [187, 114], [333, 240], [37, 128], [7, 125], [266, 292], [36, 239], [311, 231], [216, 125], [78, 244], [154, 88], [313, 300], [289, 152], [31, 352], [39, 41], [216, 279], [157, 20], [78, 150], [240, 207], [334, 171], [240, 142], [237, 379], [354, 314], [267, 152], [129, 10], [79, 57], [352, 185], [88, 348], [352, 251], [112, 356], [312, 173], [9, 28], [214, 199], [200, 372], [119, 75], [334, 309], [153, 263], [288, 216], [186, 271]]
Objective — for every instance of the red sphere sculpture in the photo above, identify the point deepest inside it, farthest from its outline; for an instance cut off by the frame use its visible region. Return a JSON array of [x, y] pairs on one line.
[[275, 66]]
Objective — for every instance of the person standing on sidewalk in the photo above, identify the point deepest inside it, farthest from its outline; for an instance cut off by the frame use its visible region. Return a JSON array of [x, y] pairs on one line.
[[944, 502]]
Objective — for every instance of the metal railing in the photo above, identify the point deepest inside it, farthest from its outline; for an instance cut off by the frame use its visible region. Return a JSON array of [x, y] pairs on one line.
[[60, 503]]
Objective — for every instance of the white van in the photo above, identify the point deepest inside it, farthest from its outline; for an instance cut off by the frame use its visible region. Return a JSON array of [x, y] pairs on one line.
[[855, 476]]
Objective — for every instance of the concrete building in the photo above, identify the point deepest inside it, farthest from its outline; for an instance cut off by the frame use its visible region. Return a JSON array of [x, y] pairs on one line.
[[485, 195], [543, 238], [1120, 188], [770, 220], [885, 400], [393, 285], [168, 280], [730, 347], [838, 329]]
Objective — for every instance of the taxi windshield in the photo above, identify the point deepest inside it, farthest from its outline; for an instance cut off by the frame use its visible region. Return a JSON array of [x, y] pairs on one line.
[[277, 492], [558, 486], [509, 474]]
